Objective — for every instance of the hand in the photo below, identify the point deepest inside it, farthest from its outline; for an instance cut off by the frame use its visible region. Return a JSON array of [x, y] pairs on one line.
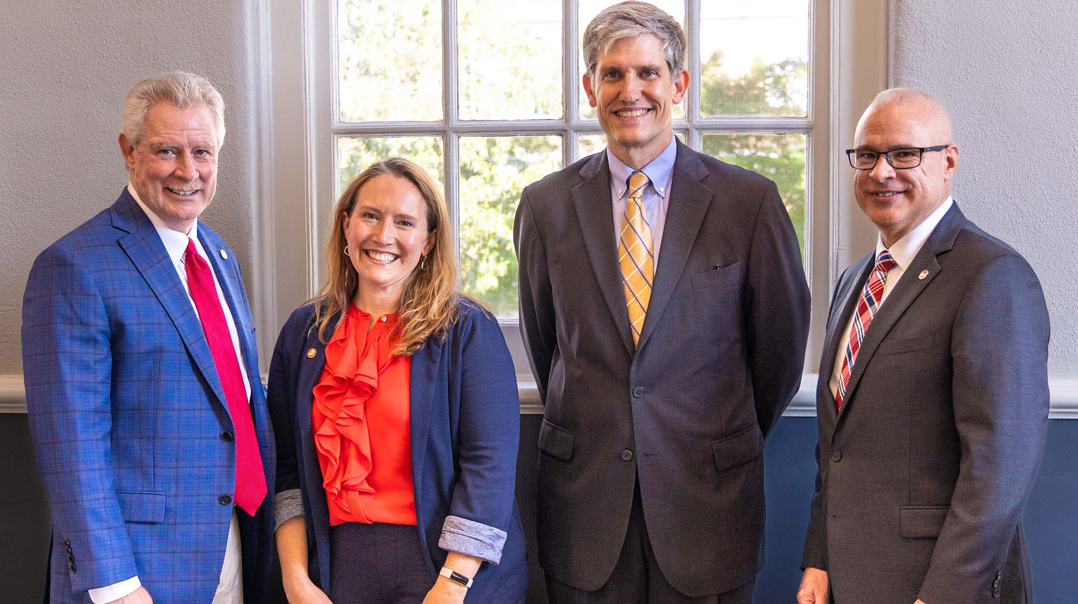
[[813, 588], [445, 592], [300, 590], [920, 601], [139, 596]]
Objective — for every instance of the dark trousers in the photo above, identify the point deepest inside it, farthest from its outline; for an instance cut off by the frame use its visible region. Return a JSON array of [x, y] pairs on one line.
[[377, 564], [637, 578]]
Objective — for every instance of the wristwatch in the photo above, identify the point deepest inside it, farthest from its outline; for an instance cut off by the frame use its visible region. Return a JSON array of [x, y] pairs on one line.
[[455, 577]]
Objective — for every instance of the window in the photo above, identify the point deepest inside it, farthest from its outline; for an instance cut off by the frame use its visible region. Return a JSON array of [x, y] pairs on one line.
[[475, 91], [486, 95]]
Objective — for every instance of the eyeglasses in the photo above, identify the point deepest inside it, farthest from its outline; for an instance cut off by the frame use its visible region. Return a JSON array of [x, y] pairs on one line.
[[900, 159]]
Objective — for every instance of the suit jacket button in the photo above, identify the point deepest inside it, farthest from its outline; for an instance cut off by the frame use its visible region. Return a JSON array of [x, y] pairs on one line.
[[627, 455], [638, 392], [995, 593], [226, 436], [836, 455], [224, 500]]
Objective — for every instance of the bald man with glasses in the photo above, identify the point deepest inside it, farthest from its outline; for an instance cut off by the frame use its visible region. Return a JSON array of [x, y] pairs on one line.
[[932, 400]]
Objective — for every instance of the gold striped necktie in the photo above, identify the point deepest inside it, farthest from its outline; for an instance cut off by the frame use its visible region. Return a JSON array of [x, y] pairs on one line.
[[634, 255]]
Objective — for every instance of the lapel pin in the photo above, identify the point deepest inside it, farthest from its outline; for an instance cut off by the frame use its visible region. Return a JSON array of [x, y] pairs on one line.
[[922, 275], [224, 255], [311, 352]]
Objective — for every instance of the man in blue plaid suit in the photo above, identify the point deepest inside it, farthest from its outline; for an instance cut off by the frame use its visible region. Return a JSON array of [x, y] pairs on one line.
[[148, 467]]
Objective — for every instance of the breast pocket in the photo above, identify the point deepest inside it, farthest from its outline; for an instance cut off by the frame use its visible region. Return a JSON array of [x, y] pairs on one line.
[[718, 275], [907, 344]]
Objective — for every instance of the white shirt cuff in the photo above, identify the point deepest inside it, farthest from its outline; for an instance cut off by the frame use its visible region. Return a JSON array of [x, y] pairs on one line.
[[104, 595]]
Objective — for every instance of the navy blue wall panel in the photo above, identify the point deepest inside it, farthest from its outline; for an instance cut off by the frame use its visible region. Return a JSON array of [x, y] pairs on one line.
[[1050, 516]]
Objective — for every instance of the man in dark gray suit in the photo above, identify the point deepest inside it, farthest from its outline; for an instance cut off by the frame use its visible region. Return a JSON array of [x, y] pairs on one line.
[[665, 312], [933, 410]]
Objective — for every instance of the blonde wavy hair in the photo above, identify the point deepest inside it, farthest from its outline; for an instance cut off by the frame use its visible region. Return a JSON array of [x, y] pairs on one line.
[[428, 306]]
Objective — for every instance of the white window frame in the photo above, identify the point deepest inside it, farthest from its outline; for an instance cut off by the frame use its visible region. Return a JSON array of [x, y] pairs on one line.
[[298, 125]]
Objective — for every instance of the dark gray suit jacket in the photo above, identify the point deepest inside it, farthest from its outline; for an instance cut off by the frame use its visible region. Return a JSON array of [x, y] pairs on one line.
[[719, 358], [923, 473]]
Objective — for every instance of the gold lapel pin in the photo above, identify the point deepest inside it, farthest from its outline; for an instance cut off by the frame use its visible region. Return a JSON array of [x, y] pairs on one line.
[[224, 255], [922, 275], [311, 352]]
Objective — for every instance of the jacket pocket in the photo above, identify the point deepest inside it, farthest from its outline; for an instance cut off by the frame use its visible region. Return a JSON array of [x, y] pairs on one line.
[[717, 276], [556, 441], [143, 506], [922, 522], [910, 344], [738, 448]]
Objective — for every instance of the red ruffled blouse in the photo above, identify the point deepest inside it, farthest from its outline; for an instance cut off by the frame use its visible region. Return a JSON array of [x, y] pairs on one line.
[[361, 424]]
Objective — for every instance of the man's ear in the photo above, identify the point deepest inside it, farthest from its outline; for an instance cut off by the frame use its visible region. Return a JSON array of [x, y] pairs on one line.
[[128, 149], [588, 90], [681, 86], [950, 161]]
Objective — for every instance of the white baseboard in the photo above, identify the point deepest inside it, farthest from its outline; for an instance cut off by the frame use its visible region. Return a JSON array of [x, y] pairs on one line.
[[1064, 397]]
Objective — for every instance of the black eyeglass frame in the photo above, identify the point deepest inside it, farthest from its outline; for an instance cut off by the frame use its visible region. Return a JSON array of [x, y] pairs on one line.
[[887, 154]]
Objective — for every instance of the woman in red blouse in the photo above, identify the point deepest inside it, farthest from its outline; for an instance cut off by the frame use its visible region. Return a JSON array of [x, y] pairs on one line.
[[395, 410]]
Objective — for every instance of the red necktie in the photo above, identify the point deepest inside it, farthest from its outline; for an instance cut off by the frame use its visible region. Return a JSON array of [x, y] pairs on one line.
[[867, 306], [250, 479]]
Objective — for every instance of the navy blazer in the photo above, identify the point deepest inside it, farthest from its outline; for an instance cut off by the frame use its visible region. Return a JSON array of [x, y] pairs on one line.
[[465, 427], [129, 415]]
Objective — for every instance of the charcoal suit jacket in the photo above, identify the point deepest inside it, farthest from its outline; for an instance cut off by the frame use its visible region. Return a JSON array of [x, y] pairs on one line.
[[924, 470], [685, 413]]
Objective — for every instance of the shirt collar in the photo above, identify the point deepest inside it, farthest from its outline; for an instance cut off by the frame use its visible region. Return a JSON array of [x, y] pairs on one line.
[[904, 250], [175, 241], [658, 170]]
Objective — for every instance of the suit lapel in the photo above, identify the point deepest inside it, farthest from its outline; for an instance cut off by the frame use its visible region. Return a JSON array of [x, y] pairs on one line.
[[237, 304], [689, 201], [422, 382], [591, 198], [143, 246], [842, 309], [903, 295], [310, 370]]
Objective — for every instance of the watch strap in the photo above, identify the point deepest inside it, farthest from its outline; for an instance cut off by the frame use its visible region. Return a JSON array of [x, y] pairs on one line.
[[455, 577]]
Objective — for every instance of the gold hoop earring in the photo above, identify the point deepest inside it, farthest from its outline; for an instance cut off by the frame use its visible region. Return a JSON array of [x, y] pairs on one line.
[[346, 251], [422, 263]]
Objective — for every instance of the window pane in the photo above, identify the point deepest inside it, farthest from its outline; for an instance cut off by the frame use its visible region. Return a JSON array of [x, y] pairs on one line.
[[588, 10], [754, 57], [509, 59], [390, 60], [355, 154], [780, 157], [586, 144], [493, 170]]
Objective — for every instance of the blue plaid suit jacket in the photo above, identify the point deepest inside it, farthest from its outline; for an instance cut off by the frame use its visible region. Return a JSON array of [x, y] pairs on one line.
[[129, 416]]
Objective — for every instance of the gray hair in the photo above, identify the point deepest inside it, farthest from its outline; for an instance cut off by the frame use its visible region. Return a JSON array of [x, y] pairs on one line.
[[630, 20], [177, 88]]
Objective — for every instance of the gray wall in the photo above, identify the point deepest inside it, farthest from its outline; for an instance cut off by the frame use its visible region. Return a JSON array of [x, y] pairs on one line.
[[65, 71], [1006, 71]]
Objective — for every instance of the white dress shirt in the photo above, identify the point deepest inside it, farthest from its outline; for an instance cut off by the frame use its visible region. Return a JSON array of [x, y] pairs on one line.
[[903, 252]]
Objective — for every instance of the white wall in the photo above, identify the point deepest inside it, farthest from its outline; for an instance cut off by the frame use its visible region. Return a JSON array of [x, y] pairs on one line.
[[1008, 74], [65, 68]]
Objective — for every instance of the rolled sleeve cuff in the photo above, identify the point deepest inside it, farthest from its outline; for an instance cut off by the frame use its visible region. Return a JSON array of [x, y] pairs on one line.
[[102, 595], [287, 505], [472, 539]]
